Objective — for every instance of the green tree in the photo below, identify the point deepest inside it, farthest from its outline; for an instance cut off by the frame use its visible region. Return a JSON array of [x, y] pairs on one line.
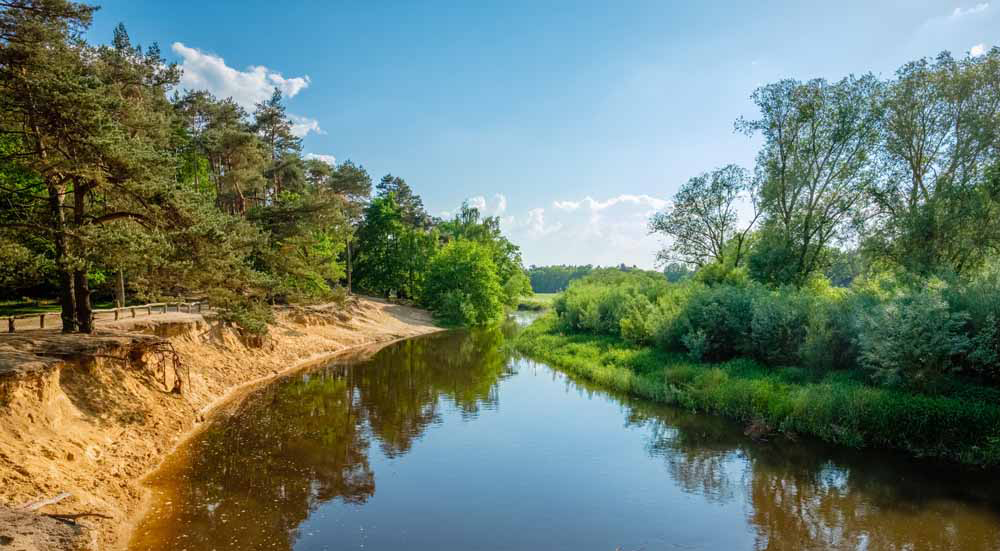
[[941, 139], [274, 128], [814, 168], [462, 285], [469, 224], [379, 266], [703, 219], [410, 204]]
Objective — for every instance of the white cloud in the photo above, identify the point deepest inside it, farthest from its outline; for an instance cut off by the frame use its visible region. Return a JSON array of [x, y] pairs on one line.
[[535, 223], [478, 202], [605, 231], [304, 125], [959, 13], [501, 204], [205, 71], [977, 50], [595, 205], [566, 205], [328, 159]]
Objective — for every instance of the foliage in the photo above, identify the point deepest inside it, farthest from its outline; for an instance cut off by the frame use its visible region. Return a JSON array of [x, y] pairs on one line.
[[940, 145], [553, 279], [964, 426], [462, 285], [913, 338], [125, 187], [813, 169], [702, 221]]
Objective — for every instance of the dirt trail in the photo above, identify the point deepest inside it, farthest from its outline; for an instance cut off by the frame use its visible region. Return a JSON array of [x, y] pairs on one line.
[[90, 415]]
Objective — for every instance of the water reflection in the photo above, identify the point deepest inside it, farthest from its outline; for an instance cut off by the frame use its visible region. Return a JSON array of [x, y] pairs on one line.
[[297, 465], [814, 496]]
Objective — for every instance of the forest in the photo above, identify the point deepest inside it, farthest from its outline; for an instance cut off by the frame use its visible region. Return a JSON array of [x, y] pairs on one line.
[[848, 286], [115, 184]]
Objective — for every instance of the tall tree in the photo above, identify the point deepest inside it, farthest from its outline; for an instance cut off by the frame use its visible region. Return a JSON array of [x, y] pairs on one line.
[[942, 134], [703, 220], [274, 128], [814, 168], [411, 204], [219, 146], [49, 106]]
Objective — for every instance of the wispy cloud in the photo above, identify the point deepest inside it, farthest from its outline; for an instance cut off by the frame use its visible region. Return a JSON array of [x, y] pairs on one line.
[[328, 159], [304, 125], [959, 12], [977, 50], [595, 205], [206, 71], [606, 231]]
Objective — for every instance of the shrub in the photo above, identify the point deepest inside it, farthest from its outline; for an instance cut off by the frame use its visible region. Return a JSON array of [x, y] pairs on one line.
[[720, 320], [462, 286], [980, 300], [778, 326], [913, 338]]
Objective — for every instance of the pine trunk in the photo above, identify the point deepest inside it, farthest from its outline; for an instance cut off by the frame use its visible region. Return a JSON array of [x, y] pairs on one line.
[[120, 290], [67, 299], [84, 313]]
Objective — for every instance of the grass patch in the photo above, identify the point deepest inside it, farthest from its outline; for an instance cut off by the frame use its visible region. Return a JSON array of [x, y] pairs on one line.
[[17, 308], [537, 302], [834, 406]]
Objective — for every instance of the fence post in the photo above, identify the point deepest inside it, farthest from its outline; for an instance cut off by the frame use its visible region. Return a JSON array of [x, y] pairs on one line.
[[133, 311], [10, 324], [116, 314], [149, 310], [41, 321], [199, 307]]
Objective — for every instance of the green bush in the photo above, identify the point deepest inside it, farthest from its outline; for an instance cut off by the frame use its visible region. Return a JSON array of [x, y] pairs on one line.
[[914, 338], [717, 322], [980, 300], [462, 286]]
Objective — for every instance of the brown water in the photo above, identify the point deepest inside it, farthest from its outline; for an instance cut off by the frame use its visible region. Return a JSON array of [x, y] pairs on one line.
[[450, 441]]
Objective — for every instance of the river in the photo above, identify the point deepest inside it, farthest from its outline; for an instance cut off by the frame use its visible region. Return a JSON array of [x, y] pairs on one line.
[[453, 441]]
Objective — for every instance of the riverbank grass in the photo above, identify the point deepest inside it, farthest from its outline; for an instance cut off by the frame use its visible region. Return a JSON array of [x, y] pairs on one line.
[[963, 425], [537, 302]]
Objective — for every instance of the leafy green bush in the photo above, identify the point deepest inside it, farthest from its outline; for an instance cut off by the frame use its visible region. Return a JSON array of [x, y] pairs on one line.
[[462, 285], [980, 300], [914, 338], [717, 322], [599, 302]]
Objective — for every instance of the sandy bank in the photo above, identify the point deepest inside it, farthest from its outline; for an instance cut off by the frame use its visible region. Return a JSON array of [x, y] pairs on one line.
[[89, 416]]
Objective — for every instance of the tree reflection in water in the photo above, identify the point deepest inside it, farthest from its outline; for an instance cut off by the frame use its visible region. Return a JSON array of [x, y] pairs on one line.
[[807, 495], [256, 474]]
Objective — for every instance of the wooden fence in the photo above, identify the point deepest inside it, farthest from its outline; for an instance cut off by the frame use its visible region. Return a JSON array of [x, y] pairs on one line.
[[118, 313]]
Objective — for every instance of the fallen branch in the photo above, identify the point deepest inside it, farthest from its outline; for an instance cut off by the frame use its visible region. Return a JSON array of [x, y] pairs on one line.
[[36, 505]]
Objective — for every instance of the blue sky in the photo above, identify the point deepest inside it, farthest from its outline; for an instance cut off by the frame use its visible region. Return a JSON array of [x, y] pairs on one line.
[[573, 121]]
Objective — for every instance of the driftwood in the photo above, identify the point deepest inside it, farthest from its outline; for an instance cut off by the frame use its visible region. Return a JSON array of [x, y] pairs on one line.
[[36, 505], [71, 517]]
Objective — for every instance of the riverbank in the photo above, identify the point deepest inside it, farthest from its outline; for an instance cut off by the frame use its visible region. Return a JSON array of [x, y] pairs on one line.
[[963, 426], [88, 416]]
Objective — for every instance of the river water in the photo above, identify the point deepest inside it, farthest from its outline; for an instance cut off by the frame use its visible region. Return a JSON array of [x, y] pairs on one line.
[[452, 441]]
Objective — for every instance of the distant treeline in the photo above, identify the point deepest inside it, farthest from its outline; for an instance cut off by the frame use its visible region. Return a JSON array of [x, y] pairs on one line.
[[553, 279]]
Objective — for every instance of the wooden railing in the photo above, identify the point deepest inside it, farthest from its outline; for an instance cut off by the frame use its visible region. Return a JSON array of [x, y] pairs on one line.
[[163, 307]]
